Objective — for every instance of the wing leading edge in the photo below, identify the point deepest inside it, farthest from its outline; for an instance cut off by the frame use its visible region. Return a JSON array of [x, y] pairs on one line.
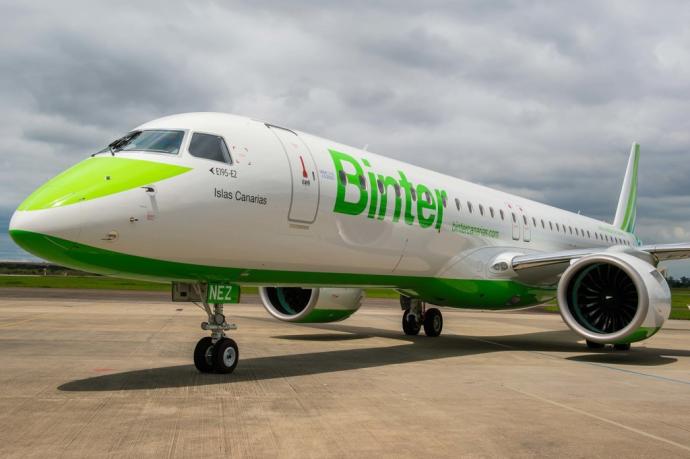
[[535, 261]]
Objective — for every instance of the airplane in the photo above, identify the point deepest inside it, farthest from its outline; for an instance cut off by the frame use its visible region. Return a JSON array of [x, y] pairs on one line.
[[211, 201]]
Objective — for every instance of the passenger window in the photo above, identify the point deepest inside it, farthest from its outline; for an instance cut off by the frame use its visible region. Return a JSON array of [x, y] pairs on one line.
[[551, 226], [342, 177], [481, 209], [397, 190], [379, 184], [362, 182], [503, 217], [427, 196], [457, 204], [524, 220], [534, 222], [542, 224], [209, 146], [491, 211], [413, 193], [571, 229], [588, 235], [469, 207], [558, 228], [514, 217], [444, 199]]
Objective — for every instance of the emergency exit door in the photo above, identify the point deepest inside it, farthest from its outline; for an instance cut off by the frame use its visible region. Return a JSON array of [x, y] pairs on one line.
[[304, 198], [515, 223], [526, 232]]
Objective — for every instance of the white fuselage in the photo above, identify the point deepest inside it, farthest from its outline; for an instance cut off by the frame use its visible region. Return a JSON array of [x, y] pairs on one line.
[[274, 209]]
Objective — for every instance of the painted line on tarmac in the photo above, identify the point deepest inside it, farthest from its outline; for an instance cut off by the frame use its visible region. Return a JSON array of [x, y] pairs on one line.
[[599, 418]]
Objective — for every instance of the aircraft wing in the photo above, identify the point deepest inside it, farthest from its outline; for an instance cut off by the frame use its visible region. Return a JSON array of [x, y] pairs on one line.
[[548, 261]]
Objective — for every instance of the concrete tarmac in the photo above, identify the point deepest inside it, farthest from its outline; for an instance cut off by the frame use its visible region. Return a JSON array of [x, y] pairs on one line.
[[86, 374]]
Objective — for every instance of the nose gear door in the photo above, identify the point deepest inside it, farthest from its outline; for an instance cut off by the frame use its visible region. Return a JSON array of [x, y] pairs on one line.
[[304, 199]]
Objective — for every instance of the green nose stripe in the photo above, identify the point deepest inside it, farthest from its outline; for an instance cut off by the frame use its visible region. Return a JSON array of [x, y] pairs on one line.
[[97, 177]]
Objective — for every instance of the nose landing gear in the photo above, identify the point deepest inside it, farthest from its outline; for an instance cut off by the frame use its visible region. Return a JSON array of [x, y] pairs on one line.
[[216, 353]]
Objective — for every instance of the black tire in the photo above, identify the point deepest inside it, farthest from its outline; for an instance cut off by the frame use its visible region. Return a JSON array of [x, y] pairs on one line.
[[621, 347], [593, 345], [433, 322], [225, 356], [203, 355], [409, 324]]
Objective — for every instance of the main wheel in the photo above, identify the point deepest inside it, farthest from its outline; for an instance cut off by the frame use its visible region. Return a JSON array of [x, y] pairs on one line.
[[621, 347], [225, 356], [593, 345], [203, 355], [433, 322], [409, 324]]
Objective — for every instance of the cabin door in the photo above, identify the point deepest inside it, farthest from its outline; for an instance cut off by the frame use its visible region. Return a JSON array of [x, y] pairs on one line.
[[304, 199]]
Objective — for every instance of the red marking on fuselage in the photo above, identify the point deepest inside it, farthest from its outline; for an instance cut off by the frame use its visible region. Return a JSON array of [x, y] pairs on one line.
[[304, 169]]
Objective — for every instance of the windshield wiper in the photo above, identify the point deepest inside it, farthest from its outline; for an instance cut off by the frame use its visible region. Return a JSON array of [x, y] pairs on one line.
[[117, 145]]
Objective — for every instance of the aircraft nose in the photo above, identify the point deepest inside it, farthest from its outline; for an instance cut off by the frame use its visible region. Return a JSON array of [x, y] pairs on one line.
[[45, 233], [49, 222]]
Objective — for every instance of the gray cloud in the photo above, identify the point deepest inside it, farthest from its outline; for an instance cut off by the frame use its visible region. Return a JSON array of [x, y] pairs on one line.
[[540, 99]]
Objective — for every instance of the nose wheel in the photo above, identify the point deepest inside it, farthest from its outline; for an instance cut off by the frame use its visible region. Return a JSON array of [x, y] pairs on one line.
[[219, 357], [216, 353]]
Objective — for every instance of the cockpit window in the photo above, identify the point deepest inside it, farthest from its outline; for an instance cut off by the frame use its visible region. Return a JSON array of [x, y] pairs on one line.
[[209, 146], [154, 141]]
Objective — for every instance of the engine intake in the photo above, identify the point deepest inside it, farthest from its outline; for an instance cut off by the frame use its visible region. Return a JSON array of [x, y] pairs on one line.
[[614, 297], [311, 305]]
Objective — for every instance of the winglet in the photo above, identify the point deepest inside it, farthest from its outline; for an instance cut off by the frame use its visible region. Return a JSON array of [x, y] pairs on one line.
[[626, 213]]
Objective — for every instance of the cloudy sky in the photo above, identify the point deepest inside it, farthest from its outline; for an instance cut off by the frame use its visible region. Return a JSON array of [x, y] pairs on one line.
[[537, 98]]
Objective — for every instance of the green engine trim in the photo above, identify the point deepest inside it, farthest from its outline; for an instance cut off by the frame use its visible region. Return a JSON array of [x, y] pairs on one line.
[[640, 334], [320, 316]]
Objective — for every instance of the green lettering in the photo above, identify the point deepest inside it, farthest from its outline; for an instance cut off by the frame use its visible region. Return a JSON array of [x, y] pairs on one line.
[[342, 205], [374, 195], [407, 186], [441, 197], [422, 204], [390, 182]]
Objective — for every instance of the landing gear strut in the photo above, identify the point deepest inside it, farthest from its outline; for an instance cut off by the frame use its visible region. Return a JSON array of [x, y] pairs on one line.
[[216, 353], [594, 345], [616, 347], [415, 315]]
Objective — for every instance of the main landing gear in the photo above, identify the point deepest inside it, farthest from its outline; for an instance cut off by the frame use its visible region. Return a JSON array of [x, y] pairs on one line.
[[216, 353], [616, 347], [416, 316]]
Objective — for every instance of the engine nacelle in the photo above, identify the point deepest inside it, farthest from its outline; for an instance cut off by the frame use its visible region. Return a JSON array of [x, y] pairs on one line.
[[614, 297], [311, 305]]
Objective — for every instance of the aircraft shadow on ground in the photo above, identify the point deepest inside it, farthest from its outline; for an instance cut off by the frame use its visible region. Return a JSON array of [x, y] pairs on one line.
[[415, 349]]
